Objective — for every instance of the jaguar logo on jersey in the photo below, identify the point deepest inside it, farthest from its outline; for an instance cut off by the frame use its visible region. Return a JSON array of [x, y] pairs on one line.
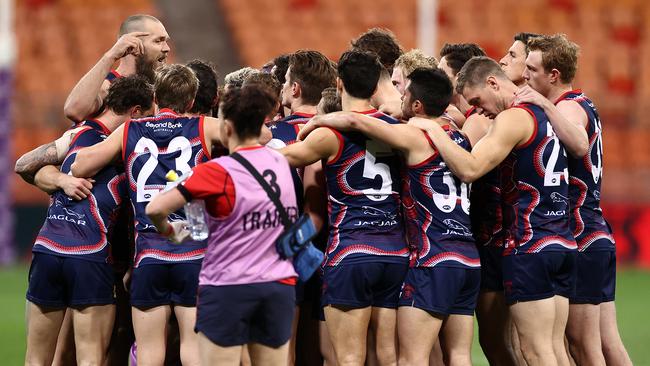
[[558, 198], [456, 228], [69, 216], [367, 210]]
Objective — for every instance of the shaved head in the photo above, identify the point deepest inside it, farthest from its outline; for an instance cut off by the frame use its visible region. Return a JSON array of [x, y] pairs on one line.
[[135, 23]]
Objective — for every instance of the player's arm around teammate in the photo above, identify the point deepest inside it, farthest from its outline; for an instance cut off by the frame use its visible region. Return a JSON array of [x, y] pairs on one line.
[[38, 167]]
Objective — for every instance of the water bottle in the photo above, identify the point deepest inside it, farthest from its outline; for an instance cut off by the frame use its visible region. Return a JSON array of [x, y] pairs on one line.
[[194, 212]]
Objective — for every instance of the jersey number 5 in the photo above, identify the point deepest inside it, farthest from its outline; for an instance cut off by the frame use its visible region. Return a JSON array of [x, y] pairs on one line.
[[372, 169]]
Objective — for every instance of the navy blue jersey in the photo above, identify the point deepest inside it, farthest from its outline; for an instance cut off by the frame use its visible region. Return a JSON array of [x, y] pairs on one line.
[[486, 214], [363, 183], [285, 132], [442, 205], [112, 75], [585, 178], [152, 147], [535, 190], [79, 229]]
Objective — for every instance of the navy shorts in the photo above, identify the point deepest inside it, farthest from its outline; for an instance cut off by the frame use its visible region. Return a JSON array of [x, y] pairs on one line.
[[537, 276], [164, 284], [241, 314], [491, 268], [360, 285], [442, 290], [59, 282], [596, 279]]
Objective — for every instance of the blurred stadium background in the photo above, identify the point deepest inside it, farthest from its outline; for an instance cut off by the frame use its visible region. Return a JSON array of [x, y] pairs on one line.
[[47, 45]]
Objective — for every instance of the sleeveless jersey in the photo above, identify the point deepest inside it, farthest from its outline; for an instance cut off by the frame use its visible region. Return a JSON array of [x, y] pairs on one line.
[[285, 132], [363, 183], [79, 229], [535, 190], [442, 206], [152, 147], [486, 213], [585, 178]]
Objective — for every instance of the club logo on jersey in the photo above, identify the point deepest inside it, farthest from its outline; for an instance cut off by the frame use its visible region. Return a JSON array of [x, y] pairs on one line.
[[456, 228], [407, 292], [558, 198], [596, 194]]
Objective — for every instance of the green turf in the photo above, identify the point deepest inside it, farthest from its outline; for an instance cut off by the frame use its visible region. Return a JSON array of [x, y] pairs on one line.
[[632, 299]]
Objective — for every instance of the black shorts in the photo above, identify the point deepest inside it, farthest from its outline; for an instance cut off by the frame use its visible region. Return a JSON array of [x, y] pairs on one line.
[[241, 314], [596, 278], [491, 268], [442, 290], [537, 276], [165, 284], [360, 285], [59, 282]]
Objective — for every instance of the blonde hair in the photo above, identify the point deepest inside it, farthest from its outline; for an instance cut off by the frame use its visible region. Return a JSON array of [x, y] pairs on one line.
[[415, 59], [558, 52]]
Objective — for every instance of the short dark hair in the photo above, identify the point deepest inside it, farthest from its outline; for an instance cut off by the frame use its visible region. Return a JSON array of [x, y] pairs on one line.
[[359, 71], [176, 87], [128, 92], [476, 70], [382, 42], [432, 87], [330, 101], [313, 71], [247, 108], [457, 54], [267, 81], [524, 37], [134, 22], [206, 95], [280, 66]]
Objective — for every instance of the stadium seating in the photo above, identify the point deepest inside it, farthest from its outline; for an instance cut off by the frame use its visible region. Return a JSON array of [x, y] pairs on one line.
[[71, 35], [614, 66]]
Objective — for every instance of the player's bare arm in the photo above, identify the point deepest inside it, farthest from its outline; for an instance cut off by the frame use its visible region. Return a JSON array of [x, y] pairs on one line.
[[322, 143], [511, 128], [92, 159], [52, 153], [50, 179], [160, 207], [315, 194], [476, 126], [407, 139], [568, 119], [88, 94]]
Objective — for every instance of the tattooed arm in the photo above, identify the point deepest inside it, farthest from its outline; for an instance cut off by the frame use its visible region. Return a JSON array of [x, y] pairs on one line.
[[52, 153]]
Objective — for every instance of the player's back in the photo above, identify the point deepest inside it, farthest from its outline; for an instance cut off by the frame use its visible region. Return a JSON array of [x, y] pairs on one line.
[[80, 228], [535, 191], [442, 206], [585, 180], [363, 183], [152, 147]]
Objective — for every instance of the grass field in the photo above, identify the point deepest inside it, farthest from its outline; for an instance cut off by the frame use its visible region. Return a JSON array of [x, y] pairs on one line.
[[633, 298]]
